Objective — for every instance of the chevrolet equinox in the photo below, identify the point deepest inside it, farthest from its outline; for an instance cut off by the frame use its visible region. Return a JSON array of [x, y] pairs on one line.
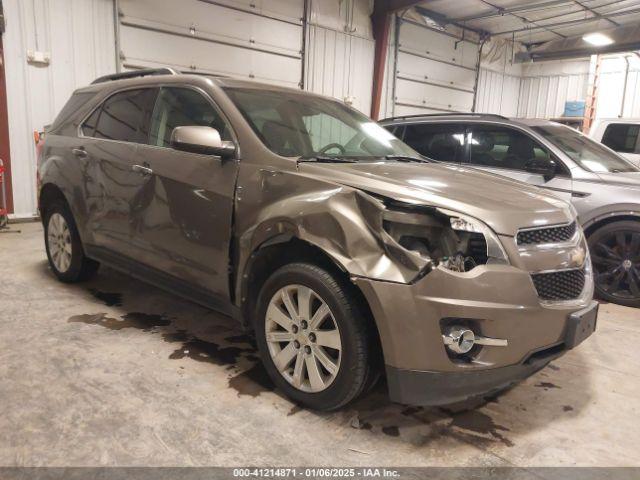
[[344, 251]]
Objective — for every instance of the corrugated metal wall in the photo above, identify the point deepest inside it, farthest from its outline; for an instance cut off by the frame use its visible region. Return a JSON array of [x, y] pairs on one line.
[[546, 86], [340, 51], [79, 36], [499, 80]]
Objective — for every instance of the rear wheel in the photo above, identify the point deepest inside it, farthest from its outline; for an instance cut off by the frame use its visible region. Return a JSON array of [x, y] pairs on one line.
[[64, 249], [615, 252], [313, 338]]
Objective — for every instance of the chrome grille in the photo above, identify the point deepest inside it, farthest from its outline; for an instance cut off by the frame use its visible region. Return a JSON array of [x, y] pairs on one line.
[[562, 285], [538, 236]]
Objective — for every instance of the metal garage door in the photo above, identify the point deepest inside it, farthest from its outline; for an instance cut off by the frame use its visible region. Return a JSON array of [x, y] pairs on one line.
[[257, 39], [435, 71]]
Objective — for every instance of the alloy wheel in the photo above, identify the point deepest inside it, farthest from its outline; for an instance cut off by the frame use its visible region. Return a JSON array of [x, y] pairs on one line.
[[616, 262], [303, 338], [59, 242]]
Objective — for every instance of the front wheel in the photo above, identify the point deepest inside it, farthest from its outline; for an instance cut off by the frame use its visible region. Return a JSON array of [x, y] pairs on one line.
[[313, 338], [615, 252]]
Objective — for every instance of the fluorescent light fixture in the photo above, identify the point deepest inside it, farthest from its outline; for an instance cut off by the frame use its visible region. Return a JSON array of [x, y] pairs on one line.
[[597, 39]]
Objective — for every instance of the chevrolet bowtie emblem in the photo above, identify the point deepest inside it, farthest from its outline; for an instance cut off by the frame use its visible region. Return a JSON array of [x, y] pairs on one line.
[[577, 256]]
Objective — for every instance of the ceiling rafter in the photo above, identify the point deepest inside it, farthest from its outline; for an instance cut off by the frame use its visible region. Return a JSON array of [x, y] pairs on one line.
[[499, 11], [526, 20], [597, 14], [571, 22], [439, 17]]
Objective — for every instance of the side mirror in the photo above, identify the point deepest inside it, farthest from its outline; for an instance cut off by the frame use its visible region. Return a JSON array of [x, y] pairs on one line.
[[203, 140], [542, 166]]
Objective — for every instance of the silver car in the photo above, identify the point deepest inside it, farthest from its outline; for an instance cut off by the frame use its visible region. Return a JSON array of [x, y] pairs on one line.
[[603, 187]]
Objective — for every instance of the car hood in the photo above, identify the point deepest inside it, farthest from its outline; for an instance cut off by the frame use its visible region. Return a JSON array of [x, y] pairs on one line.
[[505, 205], [627, 179]]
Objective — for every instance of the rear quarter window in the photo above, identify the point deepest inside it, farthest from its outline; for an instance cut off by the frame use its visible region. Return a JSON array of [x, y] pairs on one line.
[[75, 103], [124, 116]]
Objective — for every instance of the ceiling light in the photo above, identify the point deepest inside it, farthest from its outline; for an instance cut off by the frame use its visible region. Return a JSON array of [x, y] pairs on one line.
[[597, 39]]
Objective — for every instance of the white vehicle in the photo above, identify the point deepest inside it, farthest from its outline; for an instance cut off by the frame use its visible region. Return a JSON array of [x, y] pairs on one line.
[[619, 134]]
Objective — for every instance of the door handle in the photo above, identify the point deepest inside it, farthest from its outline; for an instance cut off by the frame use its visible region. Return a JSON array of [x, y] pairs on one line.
[[80, 153], [142, 169]]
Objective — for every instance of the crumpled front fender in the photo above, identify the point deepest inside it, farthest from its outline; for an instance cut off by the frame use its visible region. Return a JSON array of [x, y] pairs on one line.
[[344, 222]]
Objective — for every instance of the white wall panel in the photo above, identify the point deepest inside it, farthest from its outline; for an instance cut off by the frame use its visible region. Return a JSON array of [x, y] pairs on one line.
[[340, 51], [546, 86], [79, 35], [263, 42], [498, 93], [387, 101], [340, 65], [347, 16]]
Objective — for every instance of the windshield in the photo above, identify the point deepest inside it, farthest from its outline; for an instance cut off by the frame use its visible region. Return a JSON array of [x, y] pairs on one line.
[[588, 154], [299, 125]]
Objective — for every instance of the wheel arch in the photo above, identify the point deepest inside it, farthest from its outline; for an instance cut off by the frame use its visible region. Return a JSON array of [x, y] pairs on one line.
[[49, 193], [284, 249], [598, 222]]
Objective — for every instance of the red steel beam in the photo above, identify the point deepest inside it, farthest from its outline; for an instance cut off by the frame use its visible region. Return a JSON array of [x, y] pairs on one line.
[[381, 22], [4, 135]]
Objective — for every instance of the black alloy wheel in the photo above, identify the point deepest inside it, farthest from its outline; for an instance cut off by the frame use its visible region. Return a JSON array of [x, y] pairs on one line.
[[615, 252]]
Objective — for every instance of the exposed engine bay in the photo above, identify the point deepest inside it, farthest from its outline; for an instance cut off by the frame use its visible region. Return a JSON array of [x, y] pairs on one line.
[[455, 243]]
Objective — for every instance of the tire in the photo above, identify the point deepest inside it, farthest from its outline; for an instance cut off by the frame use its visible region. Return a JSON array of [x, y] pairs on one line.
[[615, 253], [344, 320], [64, 249]]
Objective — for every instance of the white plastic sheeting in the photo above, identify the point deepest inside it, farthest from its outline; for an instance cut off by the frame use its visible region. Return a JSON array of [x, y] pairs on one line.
[[79, 36]]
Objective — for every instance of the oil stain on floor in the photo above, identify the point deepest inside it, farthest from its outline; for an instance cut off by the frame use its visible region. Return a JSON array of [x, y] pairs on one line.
[[250, 382], [110, 299], [236, 351]]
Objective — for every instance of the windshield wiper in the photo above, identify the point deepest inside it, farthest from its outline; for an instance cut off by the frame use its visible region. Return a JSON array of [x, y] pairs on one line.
[[327, 159], [406, 158]]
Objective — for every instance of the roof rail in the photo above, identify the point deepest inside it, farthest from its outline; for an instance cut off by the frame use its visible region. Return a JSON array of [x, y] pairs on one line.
[[450, 114], [136, 73]]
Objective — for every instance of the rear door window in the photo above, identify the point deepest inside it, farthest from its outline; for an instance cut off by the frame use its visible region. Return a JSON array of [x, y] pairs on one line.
[[440, 142], [124, 116], [622, 137]]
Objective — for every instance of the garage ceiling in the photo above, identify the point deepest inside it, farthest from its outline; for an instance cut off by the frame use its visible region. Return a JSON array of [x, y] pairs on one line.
[[533, 22]]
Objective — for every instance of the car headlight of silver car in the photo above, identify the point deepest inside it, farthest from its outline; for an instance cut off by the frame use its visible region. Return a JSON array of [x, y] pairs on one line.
[[445, 238]]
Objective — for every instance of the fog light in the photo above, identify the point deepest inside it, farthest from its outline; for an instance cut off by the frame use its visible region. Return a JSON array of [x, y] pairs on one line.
[[459, 340]]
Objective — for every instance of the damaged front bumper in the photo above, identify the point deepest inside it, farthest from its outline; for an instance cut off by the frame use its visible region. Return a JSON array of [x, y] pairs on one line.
[[495, 302]]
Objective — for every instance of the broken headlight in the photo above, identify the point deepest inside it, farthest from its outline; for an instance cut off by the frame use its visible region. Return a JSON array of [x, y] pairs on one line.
[[442, 237]]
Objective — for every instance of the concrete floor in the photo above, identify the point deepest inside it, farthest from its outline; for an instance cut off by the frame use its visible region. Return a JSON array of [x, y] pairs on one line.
[[116, 372]]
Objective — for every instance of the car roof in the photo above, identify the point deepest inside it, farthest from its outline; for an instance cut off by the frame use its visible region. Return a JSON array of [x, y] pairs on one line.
[[619, 120], [465, 117]]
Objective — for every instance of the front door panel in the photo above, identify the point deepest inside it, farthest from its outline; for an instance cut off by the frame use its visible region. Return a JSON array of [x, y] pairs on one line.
[[184, 217], [184, 213]]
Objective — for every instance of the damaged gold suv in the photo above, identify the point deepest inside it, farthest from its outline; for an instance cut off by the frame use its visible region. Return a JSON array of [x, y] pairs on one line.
[[345, 251]]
